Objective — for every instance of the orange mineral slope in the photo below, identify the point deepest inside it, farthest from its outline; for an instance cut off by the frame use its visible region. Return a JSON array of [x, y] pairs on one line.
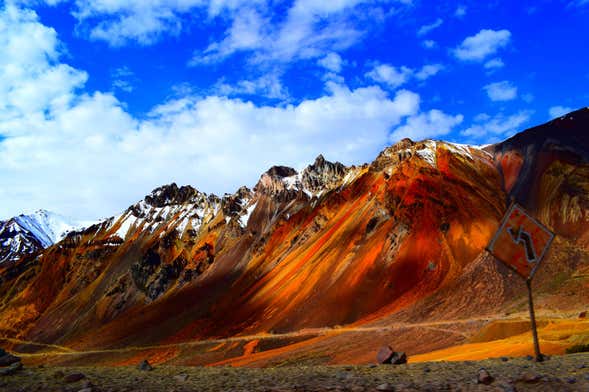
[[368, 241], [396, 242]]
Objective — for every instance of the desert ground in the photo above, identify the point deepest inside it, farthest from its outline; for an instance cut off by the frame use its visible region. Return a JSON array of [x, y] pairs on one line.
[[557, 373]]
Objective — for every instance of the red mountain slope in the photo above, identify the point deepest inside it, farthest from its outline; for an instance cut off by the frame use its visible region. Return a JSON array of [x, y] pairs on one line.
[[399, 240]]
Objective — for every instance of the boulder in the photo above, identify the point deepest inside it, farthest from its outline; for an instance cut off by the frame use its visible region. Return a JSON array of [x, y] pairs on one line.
[[13, 368], [181, 377], [74, 377], [484, 377], [530, 377], [385, 387], [399, 358], [384, 355], [8, 359], [144, 365]]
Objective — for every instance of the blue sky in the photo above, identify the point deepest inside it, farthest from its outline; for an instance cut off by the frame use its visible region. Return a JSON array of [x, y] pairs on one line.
[[103, 100]]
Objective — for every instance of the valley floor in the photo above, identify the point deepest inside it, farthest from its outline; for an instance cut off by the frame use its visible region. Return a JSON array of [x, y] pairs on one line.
[[558, 373]]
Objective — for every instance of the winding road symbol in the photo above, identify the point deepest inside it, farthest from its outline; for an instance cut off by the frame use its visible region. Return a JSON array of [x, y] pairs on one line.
[[521, 237], [521, 241]]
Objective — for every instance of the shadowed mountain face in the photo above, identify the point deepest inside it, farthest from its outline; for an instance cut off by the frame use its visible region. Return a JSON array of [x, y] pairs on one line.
[[545, 169], [400, 239]]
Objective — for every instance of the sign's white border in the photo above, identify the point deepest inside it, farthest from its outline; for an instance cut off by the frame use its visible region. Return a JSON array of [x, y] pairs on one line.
[[491, 245]]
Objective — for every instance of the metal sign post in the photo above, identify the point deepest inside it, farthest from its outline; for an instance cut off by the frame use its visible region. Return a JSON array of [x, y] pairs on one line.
[[521, 243], [533, 321]]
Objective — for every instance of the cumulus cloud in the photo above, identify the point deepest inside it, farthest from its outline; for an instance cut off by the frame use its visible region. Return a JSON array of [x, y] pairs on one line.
[[429, 44], [390, 75], [460, 11], [119, 22], [123, 79], [481, 45], [426, 29], [84, 155], [268, 85], [310, 30], [427, 71], [332, 62], [494, 63], [300, 29], [394, 77], [427, 125], [501, 91], [490, 129], [558, 111]]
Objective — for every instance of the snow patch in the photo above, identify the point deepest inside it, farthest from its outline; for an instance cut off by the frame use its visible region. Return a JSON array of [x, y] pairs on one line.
[[49, 227], [428, 153], [125, 226], [244, 219], [460, 149]]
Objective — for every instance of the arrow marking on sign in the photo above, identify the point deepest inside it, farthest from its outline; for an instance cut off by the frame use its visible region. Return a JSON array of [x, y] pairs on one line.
[[524, 238]]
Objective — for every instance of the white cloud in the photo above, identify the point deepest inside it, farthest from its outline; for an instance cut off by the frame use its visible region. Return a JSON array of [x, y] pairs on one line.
[[332, 62], [481, 45], [429, 70], [310, 30], [558, 111], [397, 76], [249, 31], [85, 155], [268, 85], [122, 79], [501, 91], [489, 129], [119, 22], [528, 97], [429, 44], [494, 63], [460, 11], [294, 30], [425, 29], [426, 125], [390, 75], [26, 90]]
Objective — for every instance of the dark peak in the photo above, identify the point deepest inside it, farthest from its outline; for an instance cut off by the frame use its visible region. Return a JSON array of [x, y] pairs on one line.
[[281, 171], [233, 204], [171, 194], [319, 161], [568, 131], [321, 165], [243, 191], [272, 181], [322, 174]]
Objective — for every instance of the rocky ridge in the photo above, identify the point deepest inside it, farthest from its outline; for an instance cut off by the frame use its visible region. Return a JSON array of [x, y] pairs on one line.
[[401, 238]]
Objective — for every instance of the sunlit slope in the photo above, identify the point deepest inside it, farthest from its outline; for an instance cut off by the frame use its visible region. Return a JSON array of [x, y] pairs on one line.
[[332, 256], [376, 240]]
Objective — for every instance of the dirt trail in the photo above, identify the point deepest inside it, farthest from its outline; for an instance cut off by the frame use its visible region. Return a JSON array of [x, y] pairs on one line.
[[434, 325]]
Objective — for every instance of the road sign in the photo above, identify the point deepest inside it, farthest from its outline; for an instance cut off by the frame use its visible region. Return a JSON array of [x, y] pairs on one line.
[[521, 242]]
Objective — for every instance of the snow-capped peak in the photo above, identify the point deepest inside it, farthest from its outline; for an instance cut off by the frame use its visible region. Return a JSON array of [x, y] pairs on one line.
[[48, 227]]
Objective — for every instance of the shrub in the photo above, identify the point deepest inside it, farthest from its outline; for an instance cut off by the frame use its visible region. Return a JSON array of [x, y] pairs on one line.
[[578, 348]]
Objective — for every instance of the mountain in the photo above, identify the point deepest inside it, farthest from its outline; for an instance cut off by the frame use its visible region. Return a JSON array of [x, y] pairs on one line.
[[317, 266], [28, 234]]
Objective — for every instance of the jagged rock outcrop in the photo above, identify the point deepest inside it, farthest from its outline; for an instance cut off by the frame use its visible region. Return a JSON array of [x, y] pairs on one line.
[[405, 233], [322, 175]]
